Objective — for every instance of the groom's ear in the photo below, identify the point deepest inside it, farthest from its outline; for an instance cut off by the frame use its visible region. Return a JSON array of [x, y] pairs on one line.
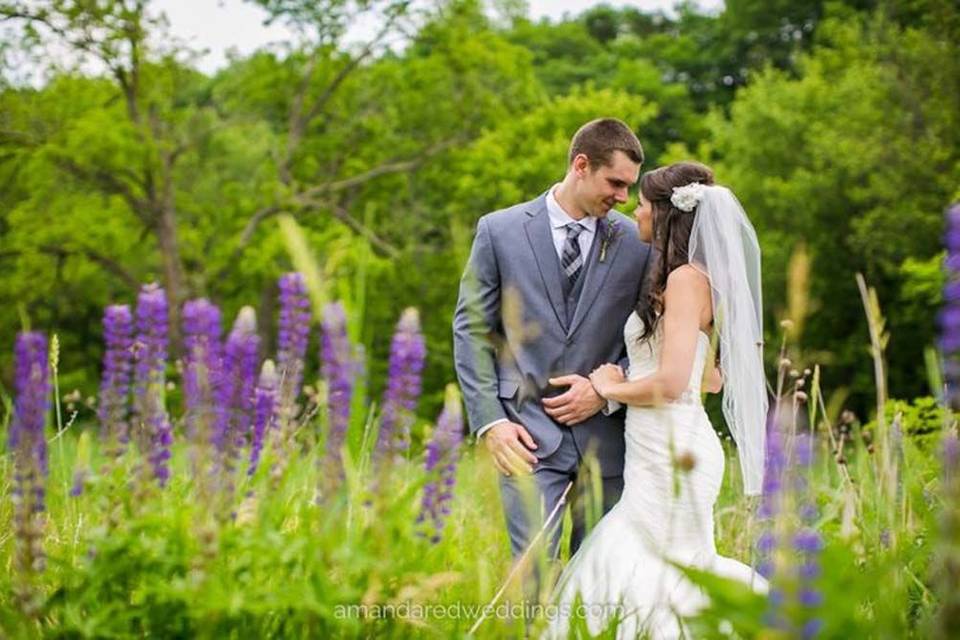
[[580, 164]]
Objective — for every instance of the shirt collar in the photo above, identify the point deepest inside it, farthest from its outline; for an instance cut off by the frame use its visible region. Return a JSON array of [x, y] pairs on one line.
[[560, 218]]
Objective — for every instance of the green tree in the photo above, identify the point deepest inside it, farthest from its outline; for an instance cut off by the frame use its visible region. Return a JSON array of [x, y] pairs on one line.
[[857, 158], [134, 150]]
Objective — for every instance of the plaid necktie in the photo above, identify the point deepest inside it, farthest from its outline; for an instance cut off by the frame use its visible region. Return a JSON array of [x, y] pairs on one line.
[[570, 258]]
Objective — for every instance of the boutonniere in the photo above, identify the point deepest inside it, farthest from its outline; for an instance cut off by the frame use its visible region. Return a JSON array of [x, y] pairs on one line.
[[611, 232]]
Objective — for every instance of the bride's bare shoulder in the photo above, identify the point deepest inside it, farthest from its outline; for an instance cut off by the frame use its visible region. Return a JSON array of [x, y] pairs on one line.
[[687, 279], [687, 295]]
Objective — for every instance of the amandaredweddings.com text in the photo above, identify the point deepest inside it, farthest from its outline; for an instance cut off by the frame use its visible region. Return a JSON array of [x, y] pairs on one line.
[[467, 611]]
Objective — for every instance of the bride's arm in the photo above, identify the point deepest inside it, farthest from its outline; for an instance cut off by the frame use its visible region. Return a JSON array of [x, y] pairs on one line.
[[686, 294]]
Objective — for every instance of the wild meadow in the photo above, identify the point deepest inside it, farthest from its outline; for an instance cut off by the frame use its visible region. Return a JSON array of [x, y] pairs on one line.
[[218, 495]]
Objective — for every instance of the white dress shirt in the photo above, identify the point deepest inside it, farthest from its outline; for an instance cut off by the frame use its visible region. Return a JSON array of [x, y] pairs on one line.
[[559, 219]]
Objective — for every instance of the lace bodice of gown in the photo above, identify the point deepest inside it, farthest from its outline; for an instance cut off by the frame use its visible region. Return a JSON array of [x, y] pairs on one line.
[[645, 357]]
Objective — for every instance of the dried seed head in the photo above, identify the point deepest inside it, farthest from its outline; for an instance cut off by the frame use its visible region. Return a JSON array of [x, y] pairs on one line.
[[686, 461], [800, 396]]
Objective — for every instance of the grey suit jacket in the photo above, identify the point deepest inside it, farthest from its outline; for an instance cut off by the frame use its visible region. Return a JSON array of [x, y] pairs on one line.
[[511, 331]]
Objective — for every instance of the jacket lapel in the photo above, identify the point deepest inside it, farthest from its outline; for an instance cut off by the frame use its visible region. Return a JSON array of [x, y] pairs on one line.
[[537, 228], [596, 274]]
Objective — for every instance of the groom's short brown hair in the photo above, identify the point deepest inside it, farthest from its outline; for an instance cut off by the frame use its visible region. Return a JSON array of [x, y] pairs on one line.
[[599, 139]]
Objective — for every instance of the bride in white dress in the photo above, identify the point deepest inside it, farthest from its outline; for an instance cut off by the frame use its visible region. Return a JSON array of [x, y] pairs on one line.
[[708, 271]]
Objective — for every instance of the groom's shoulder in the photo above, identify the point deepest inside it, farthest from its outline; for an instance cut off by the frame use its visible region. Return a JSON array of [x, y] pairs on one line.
[[513, 214]]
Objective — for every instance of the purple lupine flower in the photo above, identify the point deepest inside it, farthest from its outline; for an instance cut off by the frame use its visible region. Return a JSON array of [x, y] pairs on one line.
[[776, 597], [201, 374], [947, 560], [765, 568], [115, 382], [809, 571], [950, 314], [239, 374], [804, 450], [803, 456], [773, 470], [769, 498], [28, 446], [339, 368], [441, 462], [150, 351], [787, 494], [773, 617], [951, 291], [811, 628], [407, 354], [293, 338], [807, 541], [810, 597], [767, 542], [264, 403], [247, 363], [79, 478]]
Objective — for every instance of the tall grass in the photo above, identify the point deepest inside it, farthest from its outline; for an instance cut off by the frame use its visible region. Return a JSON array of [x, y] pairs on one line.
[[280, 559]]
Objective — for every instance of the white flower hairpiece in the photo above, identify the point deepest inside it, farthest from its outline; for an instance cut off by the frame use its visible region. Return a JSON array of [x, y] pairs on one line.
[[687, 197]]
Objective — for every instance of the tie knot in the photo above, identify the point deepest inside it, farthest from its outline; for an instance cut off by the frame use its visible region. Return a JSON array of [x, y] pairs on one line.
[[574, 229]]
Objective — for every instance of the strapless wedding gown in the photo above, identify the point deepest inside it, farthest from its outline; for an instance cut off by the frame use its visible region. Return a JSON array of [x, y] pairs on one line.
[[619, 572]]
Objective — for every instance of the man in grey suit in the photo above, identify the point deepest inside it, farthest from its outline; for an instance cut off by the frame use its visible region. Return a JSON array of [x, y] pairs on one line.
[[543, 301]]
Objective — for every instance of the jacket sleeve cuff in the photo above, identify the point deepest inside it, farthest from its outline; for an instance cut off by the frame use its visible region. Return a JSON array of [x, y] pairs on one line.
[[482, 430]]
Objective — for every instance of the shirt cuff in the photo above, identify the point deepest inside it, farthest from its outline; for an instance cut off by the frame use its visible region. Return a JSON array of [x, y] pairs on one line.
[[482, 430], [611, 407]]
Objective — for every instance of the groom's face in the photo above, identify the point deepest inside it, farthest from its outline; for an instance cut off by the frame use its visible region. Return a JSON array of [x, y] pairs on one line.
[[601, 189]]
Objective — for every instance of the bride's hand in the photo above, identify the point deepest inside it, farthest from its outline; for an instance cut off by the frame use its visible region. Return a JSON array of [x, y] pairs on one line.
[[604, 376]]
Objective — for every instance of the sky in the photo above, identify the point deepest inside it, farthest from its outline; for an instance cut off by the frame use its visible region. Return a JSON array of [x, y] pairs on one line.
[[218, 26]]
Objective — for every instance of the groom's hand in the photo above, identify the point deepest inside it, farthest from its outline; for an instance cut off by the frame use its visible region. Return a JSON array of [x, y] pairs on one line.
[[510, 444], [577, 404]]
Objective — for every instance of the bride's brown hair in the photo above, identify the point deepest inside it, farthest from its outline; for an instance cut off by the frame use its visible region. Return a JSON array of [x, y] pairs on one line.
[[671, 233]]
